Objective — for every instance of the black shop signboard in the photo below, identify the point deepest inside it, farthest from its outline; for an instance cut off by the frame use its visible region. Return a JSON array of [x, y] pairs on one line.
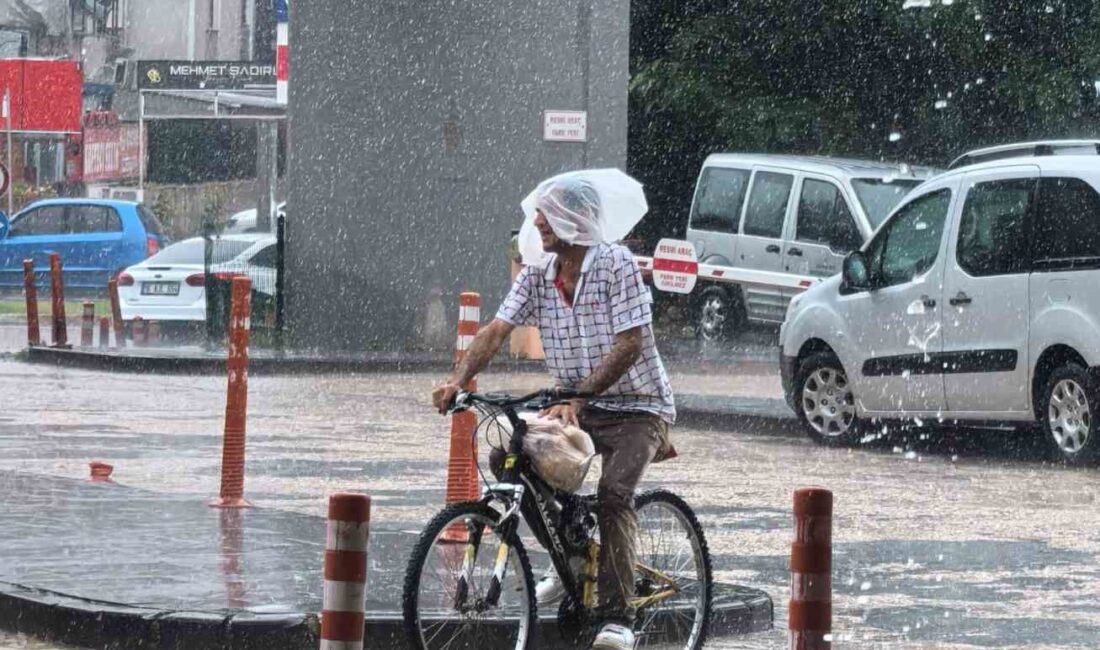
[[204, 75]]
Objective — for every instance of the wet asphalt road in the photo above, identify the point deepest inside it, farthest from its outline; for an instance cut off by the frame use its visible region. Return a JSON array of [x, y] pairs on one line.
[[942, 540]]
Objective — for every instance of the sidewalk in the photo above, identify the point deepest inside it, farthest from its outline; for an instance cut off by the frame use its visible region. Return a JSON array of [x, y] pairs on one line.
[[102, 565]]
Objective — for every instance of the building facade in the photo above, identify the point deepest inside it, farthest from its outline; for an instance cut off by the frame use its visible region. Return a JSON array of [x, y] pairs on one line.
[[415, 129]]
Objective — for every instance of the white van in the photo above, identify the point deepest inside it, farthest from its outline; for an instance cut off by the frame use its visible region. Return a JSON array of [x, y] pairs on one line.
[[793, 214], [977, 301]]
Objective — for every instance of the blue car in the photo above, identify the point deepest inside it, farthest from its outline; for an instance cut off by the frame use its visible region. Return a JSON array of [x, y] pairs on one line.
[[96, 239]]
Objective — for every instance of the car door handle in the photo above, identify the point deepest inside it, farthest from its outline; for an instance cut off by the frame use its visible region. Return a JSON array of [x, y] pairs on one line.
[[930, 303], [961, 299], [772, 248], [797, 252]]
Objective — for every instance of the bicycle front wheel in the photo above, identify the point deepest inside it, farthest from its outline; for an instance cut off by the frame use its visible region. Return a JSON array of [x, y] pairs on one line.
[[673, 579], [452, 601]]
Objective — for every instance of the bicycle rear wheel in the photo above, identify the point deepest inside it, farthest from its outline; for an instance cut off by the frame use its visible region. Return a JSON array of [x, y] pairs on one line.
[[444, 601], [673, 581]]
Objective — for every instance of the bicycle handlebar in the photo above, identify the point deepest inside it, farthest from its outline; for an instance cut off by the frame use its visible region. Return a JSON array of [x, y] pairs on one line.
[[543, 398]]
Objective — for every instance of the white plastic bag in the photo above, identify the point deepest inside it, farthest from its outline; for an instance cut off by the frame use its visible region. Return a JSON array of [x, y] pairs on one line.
[[560, 454], [583, 207]]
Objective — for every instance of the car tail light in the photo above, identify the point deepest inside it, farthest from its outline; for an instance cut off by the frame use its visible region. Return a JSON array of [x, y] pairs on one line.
[[228, 275], [152, 245], [125, 279], [196, 280]]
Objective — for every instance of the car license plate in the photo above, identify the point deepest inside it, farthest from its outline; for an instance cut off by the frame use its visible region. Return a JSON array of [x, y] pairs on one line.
[[160, 288]]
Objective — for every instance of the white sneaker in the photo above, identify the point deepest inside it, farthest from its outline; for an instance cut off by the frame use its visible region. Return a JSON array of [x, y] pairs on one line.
[[613, 636], [550, 589]]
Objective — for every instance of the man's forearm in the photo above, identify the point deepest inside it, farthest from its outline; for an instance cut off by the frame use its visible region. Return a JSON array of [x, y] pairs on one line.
[[482, 350], [624, 353]]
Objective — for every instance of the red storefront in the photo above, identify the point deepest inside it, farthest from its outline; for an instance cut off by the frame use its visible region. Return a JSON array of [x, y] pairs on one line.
[[44, 118]]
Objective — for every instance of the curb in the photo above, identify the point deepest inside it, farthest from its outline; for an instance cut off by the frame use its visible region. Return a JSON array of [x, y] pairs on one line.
[[84, 622], [138, 362]]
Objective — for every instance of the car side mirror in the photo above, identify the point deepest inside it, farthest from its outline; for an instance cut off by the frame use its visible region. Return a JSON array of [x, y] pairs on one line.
[[5, 225], [855, 275]]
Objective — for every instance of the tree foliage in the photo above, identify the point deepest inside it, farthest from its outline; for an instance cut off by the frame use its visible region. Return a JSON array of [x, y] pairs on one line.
[[863, 78]]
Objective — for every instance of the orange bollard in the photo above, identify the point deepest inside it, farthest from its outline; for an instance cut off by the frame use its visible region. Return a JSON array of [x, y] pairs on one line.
[[100, 471], [236, 403], [104, 333], [137, 331], [811, 604], [57, 300], [344, 604], [462, 476], [116, 313], [87, 324], [34, 333]]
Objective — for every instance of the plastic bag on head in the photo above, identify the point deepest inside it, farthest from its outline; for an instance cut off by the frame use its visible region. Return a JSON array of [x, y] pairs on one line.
[[583, 207]]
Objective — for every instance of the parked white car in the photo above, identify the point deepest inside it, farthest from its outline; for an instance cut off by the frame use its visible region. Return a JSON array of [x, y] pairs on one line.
[[170, 286], [977, 301], [245, 220]]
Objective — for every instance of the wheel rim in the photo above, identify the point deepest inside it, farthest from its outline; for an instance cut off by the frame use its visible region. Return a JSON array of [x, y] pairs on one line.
[[667, 543], [1069, 416], [828, 402], [712, 317], [440, 624]]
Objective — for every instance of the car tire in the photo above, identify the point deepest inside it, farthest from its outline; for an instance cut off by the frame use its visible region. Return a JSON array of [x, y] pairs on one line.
[[824, 401], [1068, 415], [718, 313]]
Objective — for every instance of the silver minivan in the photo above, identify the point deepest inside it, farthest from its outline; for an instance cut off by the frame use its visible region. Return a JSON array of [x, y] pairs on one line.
[[785, 214]]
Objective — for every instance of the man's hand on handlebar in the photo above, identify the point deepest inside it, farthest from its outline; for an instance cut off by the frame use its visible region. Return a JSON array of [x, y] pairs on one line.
[[568, 411], [444, 395]]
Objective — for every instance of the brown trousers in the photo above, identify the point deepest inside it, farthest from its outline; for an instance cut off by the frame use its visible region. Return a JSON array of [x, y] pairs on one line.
[[627, 442]]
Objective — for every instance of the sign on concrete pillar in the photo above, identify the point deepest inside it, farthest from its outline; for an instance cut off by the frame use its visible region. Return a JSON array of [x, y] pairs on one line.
[[565, 126]]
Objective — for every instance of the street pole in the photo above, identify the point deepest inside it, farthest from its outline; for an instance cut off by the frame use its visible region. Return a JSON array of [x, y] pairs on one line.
[[267, 172], [11, 170], [141, 144]]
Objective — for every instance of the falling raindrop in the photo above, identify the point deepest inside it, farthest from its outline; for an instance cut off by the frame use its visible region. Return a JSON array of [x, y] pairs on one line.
[[895, 136]]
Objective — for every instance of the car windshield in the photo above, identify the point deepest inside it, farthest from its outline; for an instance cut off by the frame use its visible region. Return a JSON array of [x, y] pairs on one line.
[[190, 251], [879, 196]]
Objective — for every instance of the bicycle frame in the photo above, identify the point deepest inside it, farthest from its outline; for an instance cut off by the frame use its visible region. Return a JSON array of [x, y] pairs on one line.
[[516, 484]]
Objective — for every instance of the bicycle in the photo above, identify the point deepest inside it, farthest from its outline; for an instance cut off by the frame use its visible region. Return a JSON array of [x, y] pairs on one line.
[[469, 578]]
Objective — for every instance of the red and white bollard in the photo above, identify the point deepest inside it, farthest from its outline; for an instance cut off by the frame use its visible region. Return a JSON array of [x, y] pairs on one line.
[[116, 313], [34, 334], [104, 333], [811, 605], [87, 324], [57, 302], [345, 595], [99, 471], [462, 476], [137, 331], [236, 400]]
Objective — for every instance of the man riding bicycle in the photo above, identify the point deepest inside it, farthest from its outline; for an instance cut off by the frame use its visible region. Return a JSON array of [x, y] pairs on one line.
[[594, 315]]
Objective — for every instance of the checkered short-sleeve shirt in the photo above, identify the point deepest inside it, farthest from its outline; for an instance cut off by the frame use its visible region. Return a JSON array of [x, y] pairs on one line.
[[610, 298]]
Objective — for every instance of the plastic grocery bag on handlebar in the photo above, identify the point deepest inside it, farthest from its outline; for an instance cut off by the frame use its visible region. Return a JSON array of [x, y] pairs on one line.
[[560, 454]]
